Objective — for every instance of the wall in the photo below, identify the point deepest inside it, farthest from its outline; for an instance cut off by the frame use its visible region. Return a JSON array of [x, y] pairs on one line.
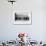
[[37, 30]]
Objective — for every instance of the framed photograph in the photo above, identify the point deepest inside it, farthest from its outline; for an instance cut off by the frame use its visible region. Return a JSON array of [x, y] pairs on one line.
[[22, 18]]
